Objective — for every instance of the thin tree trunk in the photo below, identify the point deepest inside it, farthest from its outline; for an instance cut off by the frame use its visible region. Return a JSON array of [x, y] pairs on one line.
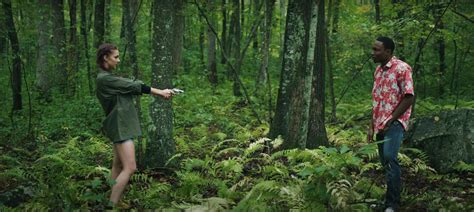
[[86, 45], [398, 36], [59, 37], [267, 29], [442, 61], [211, 51], [331, 78], [335, 19], [107, 22], [377, 11], [236, 35], [242, 15], [282, 21], [256, 12], [317, 135], [201, 43], [178, 35], [129, 10], [3, 34], [161, 145], [224, 33], [454, 65], [99, 25], [42, 82], [16, 66], [73, 56]]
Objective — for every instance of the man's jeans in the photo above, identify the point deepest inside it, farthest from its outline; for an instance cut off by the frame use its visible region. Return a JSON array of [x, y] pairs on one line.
[[388, 152]]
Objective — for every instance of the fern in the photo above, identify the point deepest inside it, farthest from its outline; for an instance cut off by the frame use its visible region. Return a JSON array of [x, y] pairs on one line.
[[231, 167], [255, 146], [340, 191], [461, 166]]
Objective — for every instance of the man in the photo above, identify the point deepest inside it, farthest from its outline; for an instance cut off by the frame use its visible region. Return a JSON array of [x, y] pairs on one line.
[[392, 97]]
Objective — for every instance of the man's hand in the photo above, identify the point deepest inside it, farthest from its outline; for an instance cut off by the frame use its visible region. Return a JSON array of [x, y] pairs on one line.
[[370, 135], [388, 124]]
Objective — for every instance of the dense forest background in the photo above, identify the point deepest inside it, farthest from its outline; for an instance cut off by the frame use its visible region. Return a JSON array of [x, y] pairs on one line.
[[275, 111]]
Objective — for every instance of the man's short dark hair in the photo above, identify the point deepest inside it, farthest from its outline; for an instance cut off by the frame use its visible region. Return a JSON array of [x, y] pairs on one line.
[[387, 42]]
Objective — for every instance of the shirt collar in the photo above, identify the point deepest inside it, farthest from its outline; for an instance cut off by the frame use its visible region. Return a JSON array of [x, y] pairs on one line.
[[390, 63]]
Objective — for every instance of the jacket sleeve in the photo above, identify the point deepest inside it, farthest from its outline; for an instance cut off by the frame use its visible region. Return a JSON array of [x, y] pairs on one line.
[[118, 85]]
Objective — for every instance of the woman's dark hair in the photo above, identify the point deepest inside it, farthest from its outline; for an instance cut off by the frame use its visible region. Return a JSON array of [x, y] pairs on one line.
[[104, 50]]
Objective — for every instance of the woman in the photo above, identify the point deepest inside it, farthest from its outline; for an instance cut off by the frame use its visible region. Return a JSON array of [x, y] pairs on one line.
[[121, 124]]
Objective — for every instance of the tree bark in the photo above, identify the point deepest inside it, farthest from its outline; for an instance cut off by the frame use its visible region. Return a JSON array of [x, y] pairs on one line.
[[107, 22], [178, 35], [267, 29], [73, 56], [42, 82], [84, 26], [161, 145], [201, 43], [335, 18], [59, 37], [211, 51], [377, 11], [99, 25], [16, 66], [289, 114], [438, 12], [301, 89], [317, 135], [224, 33], [235, 43]]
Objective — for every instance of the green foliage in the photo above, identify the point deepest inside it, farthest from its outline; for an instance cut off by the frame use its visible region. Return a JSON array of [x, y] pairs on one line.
[[224, 160]]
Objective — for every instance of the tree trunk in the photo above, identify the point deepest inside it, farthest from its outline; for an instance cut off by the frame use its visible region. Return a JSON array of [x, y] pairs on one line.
[[331, 77], [290, 115], [211, 51], [224, 33], [301, 89], [161, 145], [442, 62], [99, 25], [201, 42], [107, 22], [282, 21], [267, 29], [42, 82], [256, 13], [178, 35], [16, 66], [329, 62], [86, 44], [129, 10], [59, 37], [235, 42], [3, 34], [317, 131], [73, 56], [398, 37], [377, 11], [335, 18]]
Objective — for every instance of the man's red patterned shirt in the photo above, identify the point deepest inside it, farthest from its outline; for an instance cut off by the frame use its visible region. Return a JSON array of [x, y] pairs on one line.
[[391, 83]]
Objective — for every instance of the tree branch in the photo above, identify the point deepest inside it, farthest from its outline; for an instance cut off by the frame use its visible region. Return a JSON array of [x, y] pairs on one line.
[[201, 12], [462, 15]]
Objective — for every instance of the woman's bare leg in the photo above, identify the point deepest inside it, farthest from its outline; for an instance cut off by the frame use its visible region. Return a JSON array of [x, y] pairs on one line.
[[116, 164], [126, 153]]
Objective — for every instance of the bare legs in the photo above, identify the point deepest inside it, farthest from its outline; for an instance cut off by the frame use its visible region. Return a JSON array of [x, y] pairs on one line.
[[123, 167]]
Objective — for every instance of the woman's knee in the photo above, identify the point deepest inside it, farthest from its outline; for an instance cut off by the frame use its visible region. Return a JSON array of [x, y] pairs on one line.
[[131, 167]]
